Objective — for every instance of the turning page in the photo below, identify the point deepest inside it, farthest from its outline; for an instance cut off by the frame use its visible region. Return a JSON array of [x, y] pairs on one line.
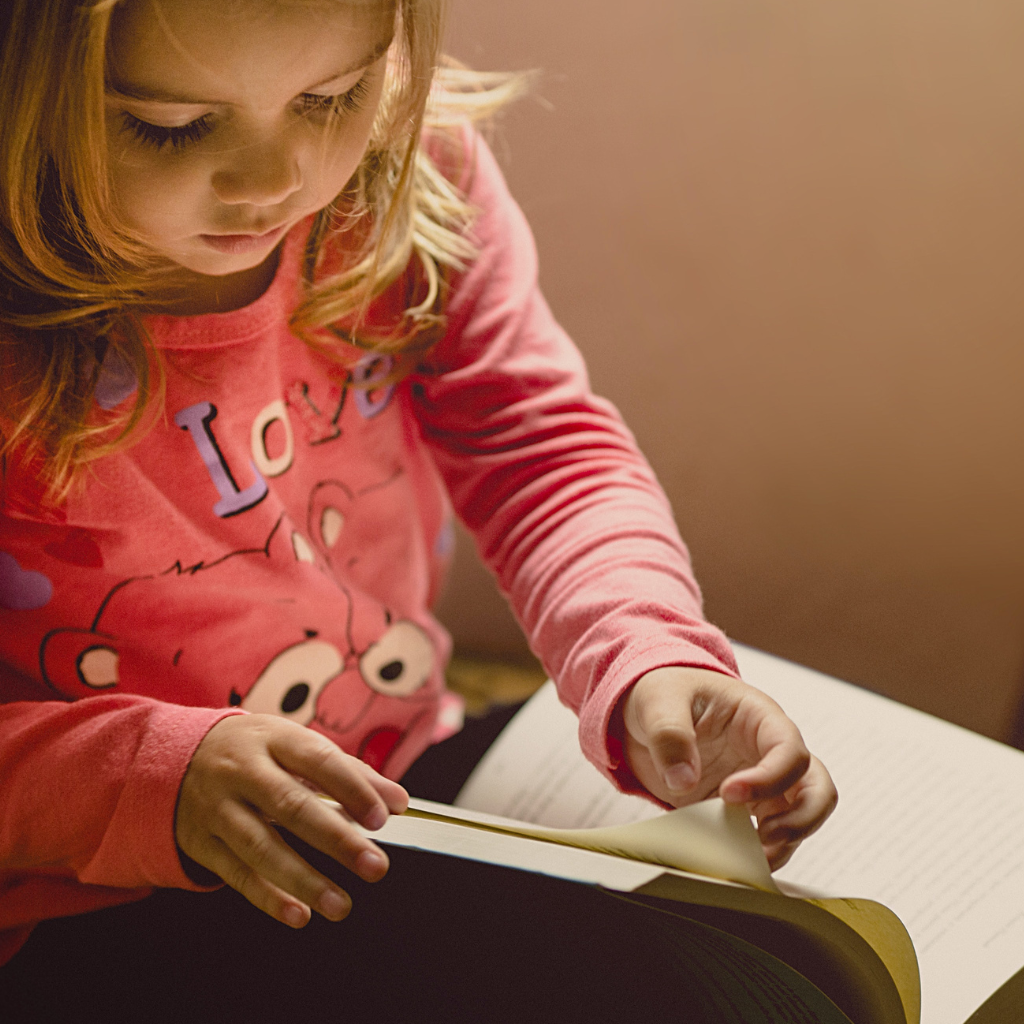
[[711, 839], [930, 820], [535, 772]]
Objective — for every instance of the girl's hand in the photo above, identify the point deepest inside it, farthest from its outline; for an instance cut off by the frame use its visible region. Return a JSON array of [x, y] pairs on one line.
[[242, 777], [693, 733]]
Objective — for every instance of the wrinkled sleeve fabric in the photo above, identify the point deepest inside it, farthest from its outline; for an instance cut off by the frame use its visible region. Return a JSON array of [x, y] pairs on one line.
[[565, 510], [87, 801]]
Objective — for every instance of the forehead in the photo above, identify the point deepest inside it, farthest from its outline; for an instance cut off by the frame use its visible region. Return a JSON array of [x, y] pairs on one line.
[[232, 50]]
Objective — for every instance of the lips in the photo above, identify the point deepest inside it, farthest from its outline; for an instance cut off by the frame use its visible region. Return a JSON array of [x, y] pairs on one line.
[[235, 244]]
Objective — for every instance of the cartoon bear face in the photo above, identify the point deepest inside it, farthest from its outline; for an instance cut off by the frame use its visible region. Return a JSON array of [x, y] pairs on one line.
[[232, 632], [350, 698]]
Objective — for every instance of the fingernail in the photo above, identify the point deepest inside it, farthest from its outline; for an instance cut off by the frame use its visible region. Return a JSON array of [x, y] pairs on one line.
[[680, 777], [371, 864], [334, 906], [737, 793], [375, 819], [293, 916]]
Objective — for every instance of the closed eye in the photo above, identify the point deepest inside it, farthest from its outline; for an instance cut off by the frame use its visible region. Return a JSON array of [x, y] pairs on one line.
[[181, 136], [346, 103], [158, 136]]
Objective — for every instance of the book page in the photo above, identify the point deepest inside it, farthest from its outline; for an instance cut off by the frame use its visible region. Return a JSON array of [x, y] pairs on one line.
[[436, 835], [853, 970], [710, 839], [930, 822], [535, 772]]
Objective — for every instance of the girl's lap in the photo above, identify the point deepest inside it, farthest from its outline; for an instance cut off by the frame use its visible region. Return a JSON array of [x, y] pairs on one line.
[[438, 939]]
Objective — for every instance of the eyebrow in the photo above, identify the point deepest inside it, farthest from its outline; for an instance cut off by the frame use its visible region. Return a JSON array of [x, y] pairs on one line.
[[160, 96]]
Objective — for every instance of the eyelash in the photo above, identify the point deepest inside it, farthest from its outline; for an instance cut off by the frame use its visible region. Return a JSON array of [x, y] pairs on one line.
[[195, 131], [347, 103], [158, 135]]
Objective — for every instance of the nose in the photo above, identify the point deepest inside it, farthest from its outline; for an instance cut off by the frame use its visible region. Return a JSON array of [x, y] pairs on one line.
[[261, 173]]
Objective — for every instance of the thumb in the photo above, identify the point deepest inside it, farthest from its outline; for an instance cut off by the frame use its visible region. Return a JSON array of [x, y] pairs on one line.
[[658, 716]]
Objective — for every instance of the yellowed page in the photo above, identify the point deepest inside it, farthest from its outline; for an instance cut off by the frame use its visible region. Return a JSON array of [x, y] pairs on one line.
[[452, 837], [885, 933], [710, 838]]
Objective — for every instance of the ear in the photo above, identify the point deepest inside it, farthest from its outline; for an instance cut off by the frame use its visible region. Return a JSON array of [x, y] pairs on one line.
[[326, 515], [79, 662]]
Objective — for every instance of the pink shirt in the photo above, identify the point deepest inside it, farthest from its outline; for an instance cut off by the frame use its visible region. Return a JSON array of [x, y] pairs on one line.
[[275, 545]]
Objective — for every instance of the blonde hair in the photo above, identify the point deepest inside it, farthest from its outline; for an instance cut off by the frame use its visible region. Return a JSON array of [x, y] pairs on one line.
[[73, 282]]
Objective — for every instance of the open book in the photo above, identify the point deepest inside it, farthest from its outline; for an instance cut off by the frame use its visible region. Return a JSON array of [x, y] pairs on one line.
[[926, 849]]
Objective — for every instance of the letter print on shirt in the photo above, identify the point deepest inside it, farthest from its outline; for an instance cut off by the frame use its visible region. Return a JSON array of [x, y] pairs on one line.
[[267, 464], [318, 426], [372, 396], [196, 420], [370, 400]]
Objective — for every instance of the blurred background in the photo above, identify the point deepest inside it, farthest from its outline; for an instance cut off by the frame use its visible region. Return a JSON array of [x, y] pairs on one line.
[[788, 237]]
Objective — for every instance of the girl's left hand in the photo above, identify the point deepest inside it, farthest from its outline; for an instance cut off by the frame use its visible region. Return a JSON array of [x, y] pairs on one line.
[[692, 733]]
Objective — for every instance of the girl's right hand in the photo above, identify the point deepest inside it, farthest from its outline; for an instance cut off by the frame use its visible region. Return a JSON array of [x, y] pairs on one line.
[[242, 777]]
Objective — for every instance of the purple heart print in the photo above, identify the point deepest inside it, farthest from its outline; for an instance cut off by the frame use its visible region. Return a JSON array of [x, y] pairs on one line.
[[21, 590]]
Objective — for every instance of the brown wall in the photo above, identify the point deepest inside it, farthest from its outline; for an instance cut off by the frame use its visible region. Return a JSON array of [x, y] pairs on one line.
[[789, 239]]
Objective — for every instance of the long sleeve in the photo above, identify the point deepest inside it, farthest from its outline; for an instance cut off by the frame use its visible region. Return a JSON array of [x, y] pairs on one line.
[[565, 510], [87, 801]]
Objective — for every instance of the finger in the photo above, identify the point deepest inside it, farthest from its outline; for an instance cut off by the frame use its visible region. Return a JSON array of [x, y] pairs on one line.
[[812, 803], [392, 793], [778, 856], [367, 798], [784, 761], [295, 807], [765, 809], [261, 851], [660, 719], [801, 821], [263, 895]]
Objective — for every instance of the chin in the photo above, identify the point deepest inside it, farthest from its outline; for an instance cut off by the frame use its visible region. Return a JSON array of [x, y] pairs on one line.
[[214, 264]]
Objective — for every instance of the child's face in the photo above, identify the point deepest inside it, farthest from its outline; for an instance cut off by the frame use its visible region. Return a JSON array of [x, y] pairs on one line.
[[230, 121]]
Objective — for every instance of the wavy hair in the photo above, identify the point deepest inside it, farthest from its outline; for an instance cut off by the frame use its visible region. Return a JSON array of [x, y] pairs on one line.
[[74, 282]]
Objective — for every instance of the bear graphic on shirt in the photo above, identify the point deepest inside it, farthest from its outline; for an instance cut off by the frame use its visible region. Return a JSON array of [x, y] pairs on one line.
[[269, 629]]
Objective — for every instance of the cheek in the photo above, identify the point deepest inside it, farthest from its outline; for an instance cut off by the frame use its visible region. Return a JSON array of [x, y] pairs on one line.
[[342, 155], [149, 198], [334, 169]]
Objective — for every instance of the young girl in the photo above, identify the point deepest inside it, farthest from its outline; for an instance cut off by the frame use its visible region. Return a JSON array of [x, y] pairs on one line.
[[267, 309]]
